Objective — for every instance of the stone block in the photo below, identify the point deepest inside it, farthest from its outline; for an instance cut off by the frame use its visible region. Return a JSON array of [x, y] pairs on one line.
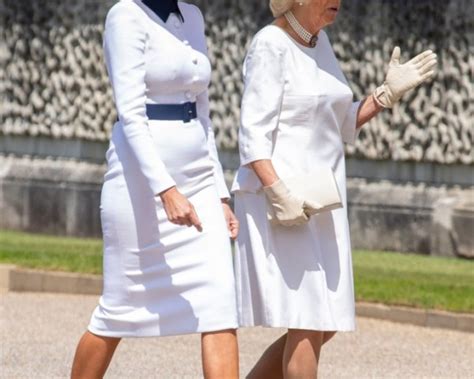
[[55, 197], [13, 204], [26, 280], [392, 313], [59, 282], [89, 285], [438, 319], [465, 323], [389, 216], [5, 273], [453, 225], [463, 229], [372, 310], [47, 213], [408, 316]]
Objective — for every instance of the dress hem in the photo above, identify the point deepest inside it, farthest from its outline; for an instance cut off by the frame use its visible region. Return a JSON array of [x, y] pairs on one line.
[[112, 334], [300, 327]]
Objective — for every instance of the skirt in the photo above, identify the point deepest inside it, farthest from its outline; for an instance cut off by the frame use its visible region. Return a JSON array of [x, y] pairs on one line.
[[297, 277], [163, 279]]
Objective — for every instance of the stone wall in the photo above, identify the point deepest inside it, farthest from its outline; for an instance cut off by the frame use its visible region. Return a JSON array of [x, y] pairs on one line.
[[62, 197], [411, 185], [53, 82]]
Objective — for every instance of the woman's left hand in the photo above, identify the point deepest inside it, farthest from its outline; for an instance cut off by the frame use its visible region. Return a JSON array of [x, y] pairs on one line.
[[231, 220], [403, 77]]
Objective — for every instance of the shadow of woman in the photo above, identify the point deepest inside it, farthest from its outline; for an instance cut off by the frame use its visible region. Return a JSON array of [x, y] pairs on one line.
[[308, 248]]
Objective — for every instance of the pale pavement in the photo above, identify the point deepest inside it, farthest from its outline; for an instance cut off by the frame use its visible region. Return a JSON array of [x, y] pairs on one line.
[[39, 333]]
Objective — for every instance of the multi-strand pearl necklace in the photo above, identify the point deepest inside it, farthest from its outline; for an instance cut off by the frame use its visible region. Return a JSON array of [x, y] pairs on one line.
[[306, 36]]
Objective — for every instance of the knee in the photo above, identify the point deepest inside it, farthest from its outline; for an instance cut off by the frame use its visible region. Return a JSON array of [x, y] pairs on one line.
[[298, 370], [302, 345]]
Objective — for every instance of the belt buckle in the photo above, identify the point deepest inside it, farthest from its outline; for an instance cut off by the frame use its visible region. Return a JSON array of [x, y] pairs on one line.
[[188, 112]]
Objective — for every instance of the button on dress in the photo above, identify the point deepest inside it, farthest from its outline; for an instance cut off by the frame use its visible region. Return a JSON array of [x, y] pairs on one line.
[[298, 111], [161, 278]]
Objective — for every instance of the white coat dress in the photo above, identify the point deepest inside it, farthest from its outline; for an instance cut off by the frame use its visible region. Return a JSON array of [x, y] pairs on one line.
[[161, 278], [298, 111]]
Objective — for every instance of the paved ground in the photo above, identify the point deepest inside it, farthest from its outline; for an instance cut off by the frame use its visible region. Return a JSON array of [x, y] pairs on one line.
[[39, 333]]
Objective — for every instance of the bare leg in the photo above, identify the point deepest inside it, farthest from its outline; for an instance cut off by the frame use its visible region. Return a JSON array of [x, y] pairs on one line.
[[220, 355], [328, 336], [93, 356], [301, 355], [270, 363]]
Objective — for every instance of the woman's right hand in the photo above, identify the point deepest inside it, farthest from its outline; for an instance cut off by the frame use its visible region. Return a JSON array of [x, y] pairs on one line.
[[179, 209], [288, 209]]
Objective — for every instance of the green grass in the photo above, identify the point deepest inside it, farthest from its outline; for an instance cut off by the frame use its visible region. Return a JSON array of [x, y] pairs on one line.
[[414, 280], [51, 253], [389, 278]]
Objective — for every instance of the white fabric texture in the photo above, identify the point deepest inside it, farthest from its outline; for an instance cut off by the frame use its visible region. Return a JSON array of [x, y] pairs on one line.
[[298, 111], [161, 278]]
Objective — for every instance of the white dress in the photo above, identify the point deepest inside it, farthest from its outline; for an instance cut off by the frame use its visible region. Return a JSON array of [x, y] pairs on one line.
[[161, 278], [298, 111]]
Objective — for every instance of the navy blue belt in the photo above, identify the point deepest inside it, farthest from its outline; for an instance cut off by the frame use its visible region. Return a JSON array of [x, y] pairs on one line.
[[184, 112]]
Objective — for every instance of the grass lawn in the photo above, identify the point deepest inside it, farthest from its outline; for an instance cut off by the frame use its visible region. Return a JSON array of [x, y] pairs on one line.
[[390, 278], [414, 280], [51, 253]]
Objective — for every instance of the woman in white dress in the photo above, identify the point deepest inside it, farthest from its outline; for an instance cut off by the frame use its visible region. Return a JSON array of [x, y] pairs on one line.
[[165, 218], [297, 113]]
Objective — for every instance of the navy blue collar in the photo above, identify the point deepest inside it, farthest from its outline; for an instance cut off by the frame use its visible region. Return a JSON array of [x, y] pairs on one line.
[[163, 8]]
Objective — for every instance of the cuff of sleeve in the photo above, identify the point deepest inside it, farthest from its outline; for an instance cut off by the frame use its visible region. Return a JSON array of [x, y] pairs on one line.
[[254, 156], [222, 189], [349, 131], [163, 183], [219, 179]]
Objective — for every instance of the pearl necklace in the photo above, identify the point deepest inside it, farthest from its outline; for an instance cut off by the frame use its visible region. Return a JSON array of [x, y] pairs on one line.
[[306, 36]]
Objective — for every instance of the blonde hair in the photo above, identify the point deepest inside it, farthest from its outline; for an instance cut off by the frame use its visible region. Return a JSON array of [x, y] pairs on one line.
[[280, 7]]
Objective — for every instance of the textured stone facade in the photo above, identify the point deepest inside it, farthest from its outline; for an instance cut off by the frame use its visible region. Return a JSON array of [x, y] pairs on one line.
[[411, 168], [53, 80]]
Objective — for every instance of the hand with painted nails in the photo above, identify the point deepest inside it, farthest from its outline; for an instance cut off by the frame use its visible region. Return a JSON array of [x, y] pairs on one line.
[[401, 78]]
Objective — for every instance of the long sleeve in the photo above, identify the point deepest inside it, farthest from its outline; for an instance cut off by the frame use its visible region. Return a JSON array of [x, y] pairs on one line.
[[349, 130], [125, 43], [202, 103], [261, 103], [203, 113]]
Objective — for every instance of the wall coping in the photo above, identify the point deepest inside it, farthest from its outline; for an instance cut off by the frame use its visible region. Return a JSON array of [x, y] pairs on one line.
[[395, 171]]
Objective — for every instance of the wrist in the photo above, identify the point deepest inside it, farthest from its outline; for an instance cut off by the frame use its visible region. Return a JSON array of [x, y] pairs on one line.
[[269, 181], [166, 194], [378, 106], [381, 97], [277, 190]]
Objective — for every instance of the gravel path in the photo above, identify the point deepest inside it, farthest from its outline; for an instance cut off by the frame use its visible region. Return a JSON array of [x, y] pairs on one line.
[[39, 333]]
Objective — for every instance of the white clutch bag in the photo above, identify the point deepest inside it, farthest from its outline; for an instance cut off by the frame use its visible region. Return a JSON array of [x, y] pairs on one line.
[[318, 189]]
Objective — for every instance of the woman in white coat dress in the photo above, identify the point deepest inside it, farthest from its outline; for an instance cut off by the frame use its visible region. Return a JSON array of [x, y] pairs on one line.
[[165, 218], [297, 112]]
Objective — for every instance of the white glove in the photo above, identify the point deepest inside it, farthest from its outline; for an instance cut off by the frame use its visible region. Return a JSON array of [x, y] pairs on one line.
[[288, 209], [403, 77], [311, 209]]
